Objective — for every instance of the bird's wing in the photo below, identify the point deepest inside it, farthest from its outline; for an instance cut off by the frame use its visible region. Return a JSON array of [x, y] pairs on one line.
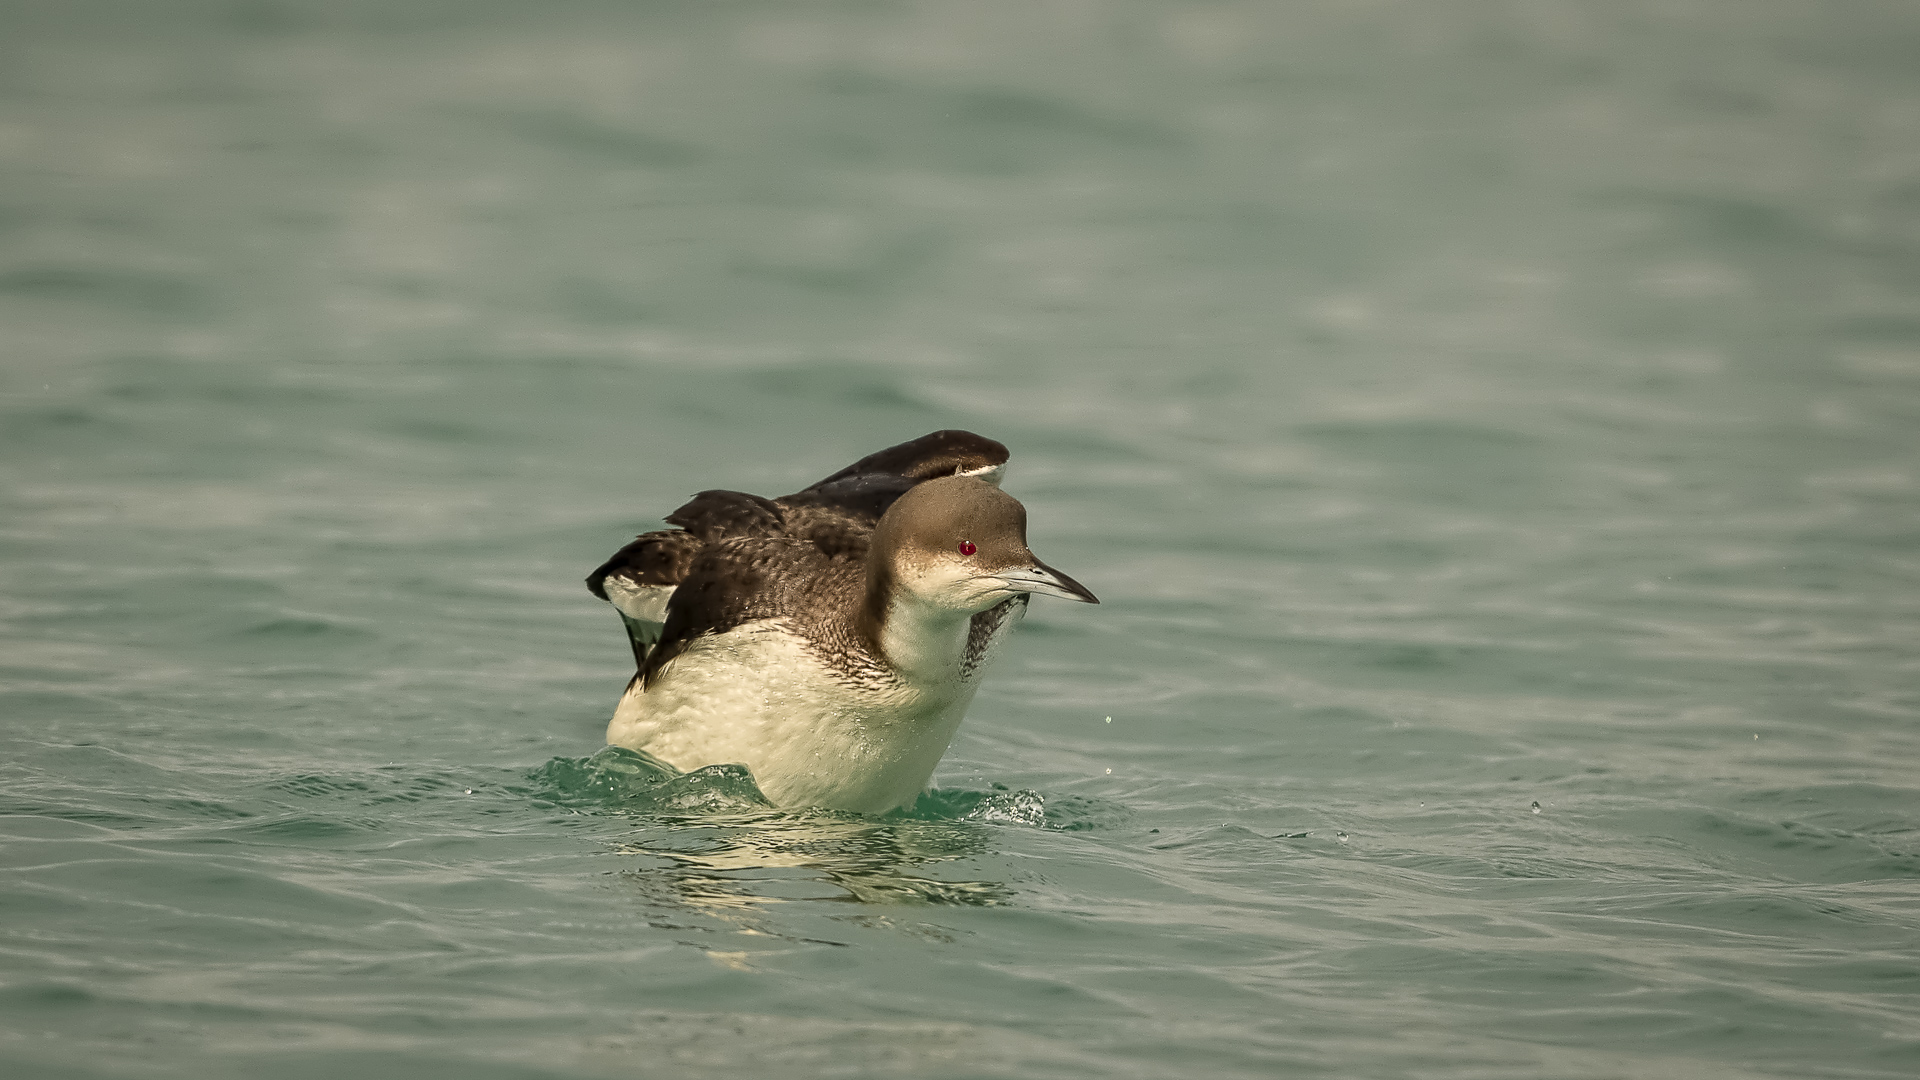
[[719, 515], [839, 518], [838, 513], [638, 580], [641, 577], [738, 581], [950, 452]]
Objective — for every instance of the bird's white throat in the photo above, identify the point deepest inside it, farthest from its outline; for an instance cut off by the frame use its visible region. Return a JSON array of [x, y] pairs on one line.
[[925, 642]]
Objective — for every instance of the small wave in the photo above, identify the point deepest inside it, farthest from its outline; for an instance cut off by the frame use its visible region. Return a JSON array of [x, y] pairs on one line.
[[724, 846], [1004, 806], [294, 629], [617, 777]]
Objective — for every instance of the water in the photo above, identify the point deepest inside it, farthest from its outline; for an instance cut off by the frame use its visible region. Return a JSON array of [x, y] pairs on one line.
[[1494, 431]]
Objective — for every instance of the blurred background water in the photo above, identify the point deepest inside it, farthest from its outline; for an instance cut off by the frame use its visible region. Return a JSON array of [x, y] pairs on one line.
[[1494, 429]]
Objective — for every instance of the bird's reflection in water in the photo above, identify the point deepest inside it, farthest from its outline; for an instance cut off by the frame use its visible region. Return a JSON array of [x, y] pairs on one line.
[[712, 844], [721, 865]]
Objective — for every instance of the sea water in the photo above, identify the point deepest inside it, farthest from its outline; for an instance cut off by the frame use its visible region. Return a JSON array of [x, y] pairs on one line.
[[1493, 431]]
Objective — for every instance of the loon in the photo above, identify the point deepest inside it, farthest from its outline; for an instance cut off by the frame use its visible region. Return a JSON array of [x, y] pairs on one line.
[[832, 639]]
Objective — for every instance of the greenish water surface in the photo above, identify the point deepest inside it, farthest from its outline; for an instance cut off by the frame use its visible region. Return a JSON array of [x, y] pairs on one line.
[[1494, 430]]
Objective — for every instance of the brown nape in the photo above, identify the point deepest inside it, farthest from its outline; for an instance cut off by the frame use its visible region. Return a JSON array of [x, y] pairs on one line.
[[872, 619]]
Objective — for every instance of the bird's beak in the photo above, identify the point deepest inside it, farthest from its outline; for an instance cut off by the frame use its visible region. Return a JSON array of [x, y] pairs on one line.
[[1044, 579]]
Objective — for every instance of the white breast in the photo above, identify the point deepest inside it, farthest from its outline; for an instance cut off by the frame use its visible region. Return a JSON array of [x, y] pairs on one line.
[[758, 696]]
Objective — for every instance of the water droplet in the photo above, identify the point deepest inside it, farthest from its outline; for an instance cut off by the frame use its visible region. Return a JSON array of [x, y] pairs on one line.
[[1536, 806], [1342, 837]]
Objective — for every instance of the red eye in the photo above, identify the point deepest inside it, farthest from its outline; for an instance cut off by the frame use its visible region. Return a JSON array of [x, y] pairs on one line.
[[967, 548]]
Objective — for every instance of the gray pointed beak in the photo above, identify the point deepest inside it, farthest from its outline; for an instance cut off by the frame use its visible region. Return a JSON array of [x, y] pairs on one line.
[[1045, 580]]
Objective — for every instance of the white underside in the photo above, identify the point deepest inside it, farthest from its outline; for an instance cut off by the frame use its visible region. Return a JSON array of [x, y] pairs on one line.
[[645, 605], [757, 696], [989, 473]]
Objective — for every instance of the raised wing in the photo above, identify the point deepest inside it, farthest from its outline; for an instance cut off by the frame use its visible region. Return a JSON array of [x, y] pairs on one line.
[[950, 452], [742, 580], [720, 515], [638, 580]]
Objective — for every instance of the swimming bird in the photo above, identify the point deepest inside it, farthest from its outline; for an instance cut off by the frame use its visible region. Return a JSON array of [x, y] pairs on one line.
[[832, 639]]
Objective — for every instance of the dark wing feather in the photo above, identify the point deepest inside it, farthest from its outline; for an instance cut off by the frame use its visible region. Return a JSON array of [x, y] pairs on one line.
[[662, 560], [652, 560], [655, 558], [718, 515], [839, 518], [738, 581], [939, 453]]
